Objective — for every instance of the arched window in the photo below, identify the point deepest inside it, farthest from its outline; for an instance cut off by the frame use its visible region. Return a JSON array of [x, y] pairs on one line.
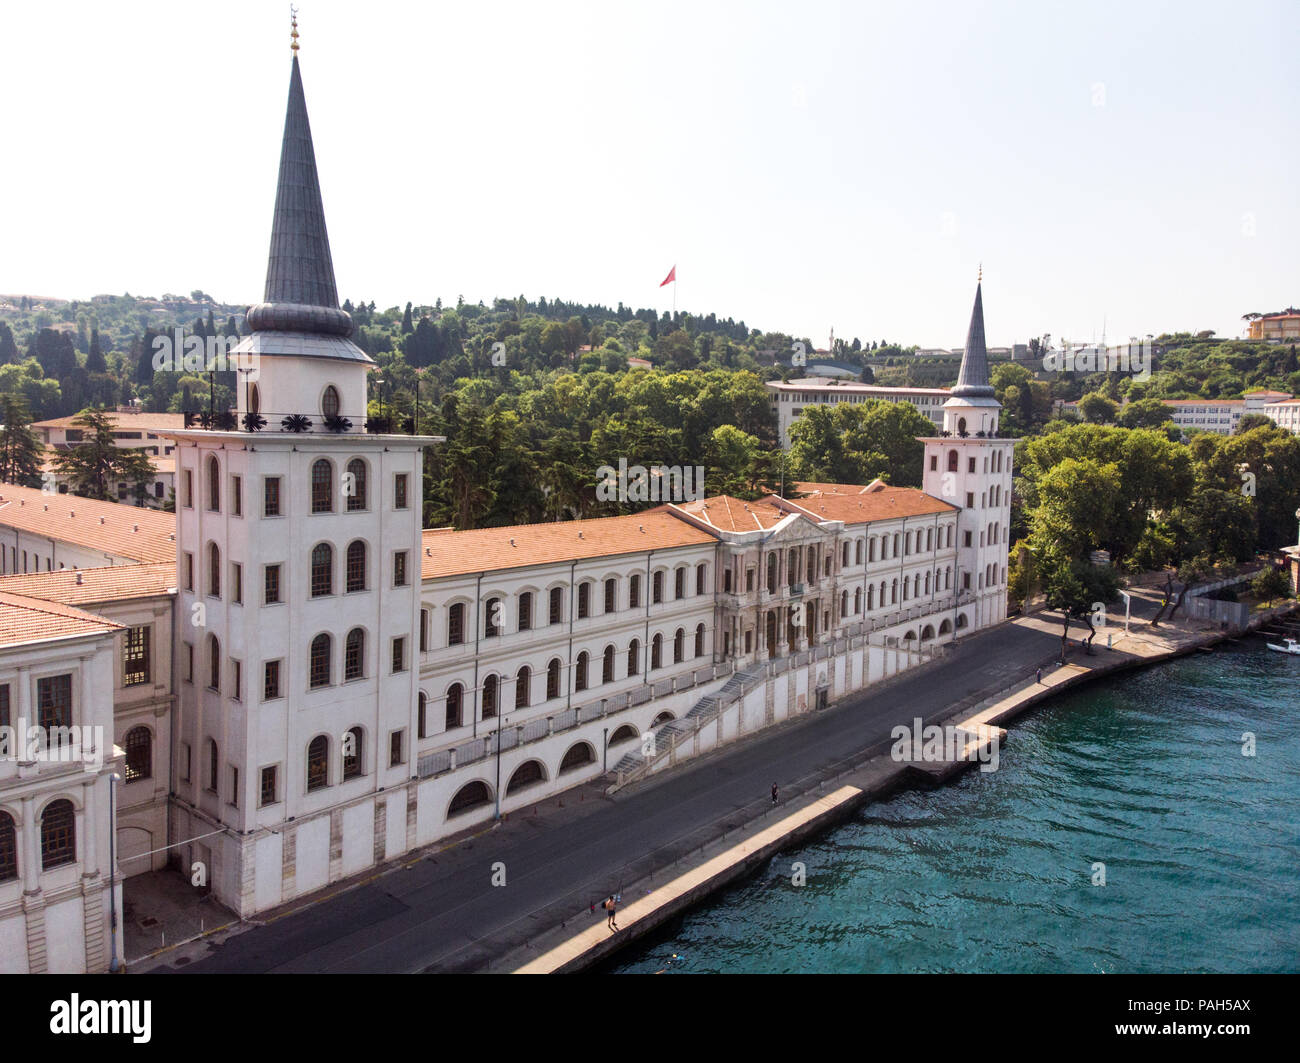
[[58, 834], [214, 485], [354, 655], [679, 645], [857, 601], [578, 755], [352, 753], [491, 685], [771, 573], [329, 401], [679, 584], [523, 687], [322, 486], [699, 640], [8, 847], [139, 753], [455, 699], [492, 618], [634, 657], [553, 679], [701, 576], [634, 591], [213, 765], [893, 593], [470, 796], [871, 597], [952, 461], [456, 624], [356, 566], [254, 399], [320, 660], [844, 561], [357, 485], [657, 652], [322, 570], [611, 594], [626, 733], [525, 611], [844, 604], [318, 763], [422, 716], [857, 554], [214, 663], [580, 672], [607, 665], [529, 773], [214, 570]]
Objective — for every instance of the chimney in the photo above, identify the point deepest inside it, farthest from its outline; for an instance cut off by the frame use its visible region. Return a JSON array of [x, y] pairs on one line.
[[78, 579]]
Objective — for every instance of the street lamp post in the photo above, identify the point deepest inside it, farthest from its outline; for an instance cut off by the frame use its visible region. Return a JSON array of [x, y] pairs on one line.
[[113, 780], [501, 720]]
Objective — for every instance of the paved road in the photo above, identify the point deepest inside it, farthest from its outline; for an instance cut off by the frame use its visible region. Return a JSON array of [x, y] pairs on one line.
[[444, 914]]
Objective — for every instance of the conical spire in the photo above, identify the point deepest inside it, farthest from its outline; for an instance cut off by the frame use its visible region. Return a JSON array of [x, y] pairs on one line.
[[300, 292], [973, 380]]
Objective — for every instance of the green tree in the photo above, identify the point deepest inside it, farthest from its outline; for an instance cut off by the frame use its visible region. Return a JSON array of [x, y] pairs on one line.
[[1270, 584], [21, 450], [93, 466]]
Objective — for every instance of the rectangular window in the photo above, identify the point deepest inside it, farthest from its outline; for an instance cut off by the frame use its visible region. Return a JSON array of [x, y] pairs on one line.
[[237, 583], [399, 569], [970, 499], [399, 490], [399, 654], [271, 585], [238, 680], [185, 762], [970, 464], [268, 786], [4, 705], [395, 748], [187, 489], [189, 662], [271, 681], [189, 571], [54, 706], [237, 495], [967, 536], [135, 656], [271, 496], [234, 786]]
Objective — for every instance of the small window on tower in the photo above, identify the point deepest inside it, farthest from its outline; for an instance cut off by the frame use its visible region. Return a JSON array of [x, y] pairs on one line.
[[329, 402]]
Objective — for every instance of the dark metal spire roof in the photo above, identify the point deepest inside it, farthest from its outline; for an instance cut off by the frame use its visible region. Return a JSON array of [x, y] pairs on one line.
[[300, 292], [973, 380]]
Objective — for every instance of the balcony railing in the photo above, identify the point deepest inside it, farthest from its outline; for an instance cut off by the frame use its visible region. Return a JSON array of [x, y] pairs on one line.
[[264, 421]]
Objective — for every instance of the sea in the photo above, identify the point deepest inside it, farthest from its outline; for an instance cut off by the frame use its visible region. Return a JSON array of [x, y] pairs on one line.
[[1149, 822]]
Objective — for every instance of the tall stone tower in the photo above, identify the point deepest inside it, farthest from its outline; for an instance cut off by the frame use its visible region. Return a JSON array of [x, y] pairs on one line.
[[298, 551], [969, 466]]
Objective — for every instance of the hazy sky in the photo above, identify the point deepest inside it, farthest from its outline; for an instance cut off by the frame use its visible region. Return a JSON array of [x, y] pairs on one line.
[[805, 165]]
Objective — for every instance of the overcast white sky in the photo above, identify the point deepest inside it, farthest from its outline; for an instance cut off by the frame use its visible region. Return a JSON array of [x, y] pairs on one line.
[[806, 165]]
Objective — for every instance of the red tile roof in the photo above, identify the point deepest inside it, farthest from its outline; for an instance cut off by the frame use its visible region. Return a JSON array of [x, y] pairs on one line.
[[88, 586], [139, 534], [24, 620], [124, 422], [730, 514], [858, 504], [454, 553]]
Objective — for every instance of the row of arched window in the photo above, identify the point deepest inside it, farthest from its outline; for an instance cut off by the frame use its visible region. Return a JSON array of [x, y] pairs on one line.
[[526, 616], [58, 827], [588, 672]]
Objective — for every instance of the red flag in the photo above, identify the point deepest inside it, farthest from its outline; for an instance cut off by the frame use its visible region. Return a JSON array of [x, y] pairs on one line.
[[672, 276]]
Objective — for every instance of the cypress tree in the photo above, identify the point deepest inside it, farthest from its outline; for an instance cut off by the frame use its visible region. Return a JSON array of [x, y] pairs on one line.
[[21, 450]]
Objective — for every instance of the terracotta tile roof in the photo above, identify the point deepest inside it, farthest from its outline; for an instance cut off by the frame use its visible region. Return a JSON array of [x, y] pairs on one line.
[[160, 464], [826, 383], [145, 535], [453, 553], [25, 620], [89, 586], [730, 514], [124, 422], [857, 504], [1204, 402]]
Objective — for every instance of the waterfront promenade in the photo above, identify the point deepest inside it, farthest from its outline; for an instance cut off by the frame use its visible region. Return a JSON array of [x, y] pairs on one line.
[[663, 844]]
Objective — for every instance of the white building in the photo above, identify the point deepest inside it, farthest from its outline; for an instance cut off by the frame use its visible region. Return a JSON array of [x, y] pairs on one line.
[[331, 687], [56, 756], [790, 399]]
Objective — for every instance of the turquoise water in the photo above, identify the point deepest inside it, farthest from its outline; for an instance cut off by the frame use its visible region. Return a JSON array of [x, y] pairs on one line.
[[994, 873]]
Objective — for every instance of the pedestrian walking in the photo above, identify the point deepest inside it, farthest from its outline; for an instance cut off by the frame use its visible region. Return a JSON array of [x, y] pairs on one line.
[[1040, 673], [774, 793], [611, 906]]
